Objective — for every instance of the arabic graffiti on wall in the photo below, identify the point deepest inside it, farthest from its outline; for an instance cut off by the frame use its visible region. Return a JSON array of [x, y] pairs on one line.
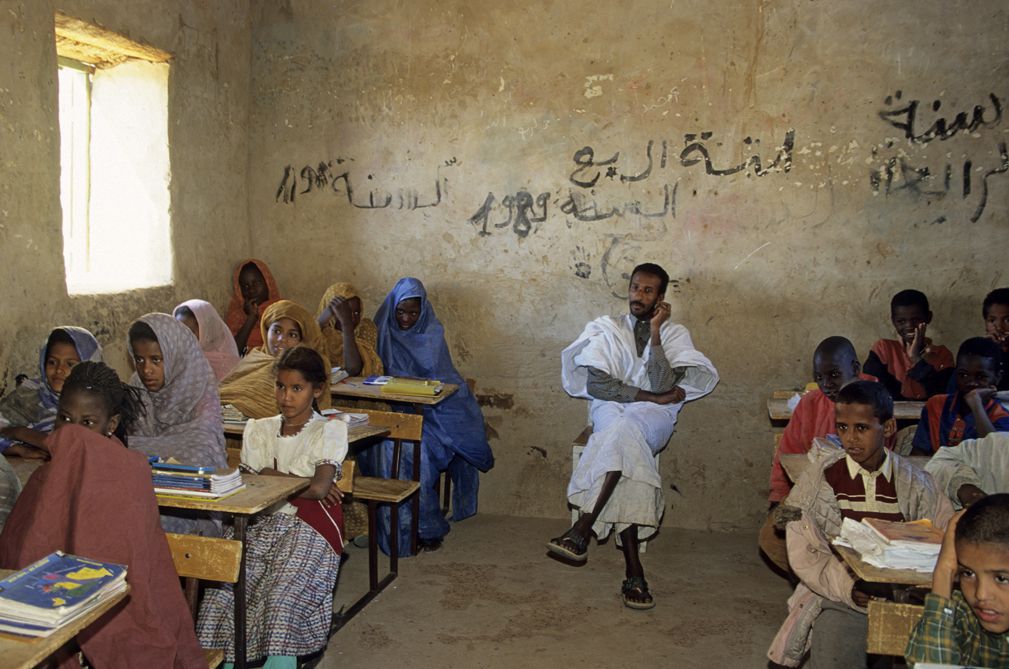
[[322, 177], [521, 212], [897, 173]]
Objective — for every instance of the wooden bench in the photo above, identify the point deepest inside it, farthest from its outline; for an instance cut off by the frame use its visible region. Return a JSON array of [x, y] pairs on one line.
[[890, 626], [375, 491], [204, 559]]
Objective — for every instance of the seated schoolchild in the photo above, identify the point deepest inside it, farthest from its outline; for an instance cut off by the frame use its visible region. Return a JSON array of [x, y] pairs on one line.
[[216, 340], [253, 290], [860, 480], [835, 365], [911, 367], [350, 340], [293, 554], [94, 498], [411, 342], [182, 412], [972, 469], [969, 625], [250, 386], [27, 413], [995, 311], [970, 412]]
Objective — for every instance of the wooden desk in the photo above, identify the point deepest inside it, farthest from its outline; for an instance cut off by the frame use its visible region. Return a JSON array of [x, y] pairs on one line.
[[20, 651], [260, 493], [777, 408], [355, 433], [354, 388], [871, 574]]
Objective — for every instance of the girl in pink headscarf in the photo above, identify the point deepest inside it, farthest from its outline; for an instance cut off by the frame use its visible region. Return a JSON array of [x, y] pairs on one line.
[[212, 332]]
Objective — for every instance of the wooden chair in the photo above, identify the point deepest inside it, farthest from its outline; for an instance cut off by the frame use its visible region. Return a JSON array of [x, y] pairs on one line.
[[205, 559], [890, 626]]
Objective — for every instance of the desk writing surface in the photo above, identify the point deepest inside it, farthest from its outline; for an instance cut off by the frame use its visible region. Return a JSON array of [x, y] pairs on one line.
[[868, 572], [260, 492], [354, 432], [777, 408], [355, 387], [26, 652]]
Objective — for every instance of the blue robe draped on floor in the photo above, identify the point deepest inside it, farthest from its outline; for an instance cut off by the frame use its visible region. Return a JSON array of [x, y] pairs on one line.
[[454, 438]]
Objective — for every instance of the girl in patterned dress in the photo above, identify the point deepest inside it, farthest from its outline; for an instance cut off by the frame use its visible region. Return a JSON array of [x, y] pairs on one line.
[[293, 552]]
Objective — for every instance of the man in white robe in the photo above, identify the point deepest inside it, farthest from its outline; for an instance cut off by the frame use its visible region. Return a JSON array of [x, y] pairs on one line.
[[638, 370]]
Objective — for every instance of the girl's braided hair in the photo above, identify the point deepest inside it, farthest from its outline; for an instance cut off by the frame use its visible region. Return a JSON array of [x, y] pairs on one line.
[[120, 398]]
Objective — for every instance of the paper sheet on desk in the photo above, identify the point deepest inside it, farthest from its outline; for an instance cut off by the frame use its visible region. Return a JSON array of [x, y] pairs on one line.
[[877, 552], [793, 401]]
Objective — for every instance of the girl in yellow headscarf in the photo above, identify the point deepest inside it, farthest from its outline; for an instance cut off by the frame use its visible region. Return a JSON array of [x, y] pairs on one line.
[[350, 340], [250, 385]]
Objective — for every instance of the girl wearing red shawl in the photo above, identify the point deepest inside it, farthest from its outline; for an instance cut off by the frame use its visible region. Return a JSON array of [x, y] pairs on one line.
[[253, 290]]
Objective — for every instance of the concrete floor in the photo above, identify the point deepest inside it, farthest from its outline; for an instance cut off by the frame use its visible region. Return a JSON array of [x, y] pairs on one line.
[[492, 598]]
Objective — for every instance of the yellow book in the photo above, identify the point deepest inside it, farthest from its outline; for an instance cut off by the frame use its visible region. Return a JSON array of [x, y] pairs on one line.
[[419, 387]]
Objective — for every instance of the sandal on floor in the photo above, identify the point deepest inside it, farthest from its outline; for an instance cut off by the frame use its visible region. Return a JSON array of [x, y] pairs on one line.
[[571, 548], [634, 593]]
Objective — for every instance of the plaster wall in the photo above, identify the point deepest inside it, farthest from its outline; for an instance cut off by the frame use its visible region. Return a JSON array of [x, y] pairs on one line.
[[208, 100], [785, 160]]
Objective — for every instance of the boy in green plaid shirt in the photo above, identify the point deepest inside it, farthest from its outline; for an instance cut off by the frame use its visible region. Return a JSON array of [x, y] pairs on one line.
[[969, 626]]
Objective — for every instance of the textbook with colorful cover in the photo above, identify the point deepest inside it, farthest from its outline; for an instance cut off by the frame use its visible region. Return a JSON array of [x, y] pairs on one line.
[[55, 590]]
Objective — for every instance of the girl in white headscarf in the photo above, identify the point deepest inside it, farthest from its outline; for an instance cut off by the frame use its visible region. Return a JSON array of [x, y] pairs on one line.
[[215, 338]]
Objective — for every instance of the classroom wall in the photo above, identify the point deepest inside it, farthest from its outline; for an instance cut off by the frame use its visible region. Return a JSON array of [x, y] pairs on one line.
[[208, 134], [791, 163]]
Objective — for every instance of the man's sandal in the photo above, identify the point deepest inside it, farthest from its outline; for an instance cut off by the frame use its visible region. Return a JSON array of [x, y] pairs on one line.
[[570, 547], [634, 593]]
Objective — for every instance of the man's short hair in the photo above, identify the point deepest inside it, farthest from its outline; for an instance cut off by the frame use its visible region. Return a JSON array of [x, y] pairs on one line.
[[997, 296], [909, 298], [986, 521], [654, 270], [870, 394], [981, 347]]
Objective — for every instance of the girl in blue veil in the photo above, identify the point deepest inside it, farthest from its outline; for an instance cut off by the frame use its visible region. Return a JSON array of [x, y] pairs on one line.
[[411, 342]]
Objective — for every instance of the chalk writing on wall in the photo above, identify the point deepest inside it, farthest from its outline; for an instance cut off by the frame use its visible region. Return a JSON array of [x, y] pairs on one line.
[[901, 174], [521, 212], [322, 177]]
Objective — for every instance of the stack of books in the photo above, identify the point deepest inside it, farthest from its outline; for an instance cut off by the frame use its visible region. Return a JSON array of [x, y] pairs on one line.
[[337, 374], [54, 591], [892, 545], [190, 481], [232, 415]]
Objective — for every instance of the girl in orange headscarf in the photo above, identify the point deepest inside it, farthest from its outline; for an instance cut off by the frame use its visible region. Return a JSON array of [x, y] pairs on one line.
[[253, 290], [250, 386], [350, 339]]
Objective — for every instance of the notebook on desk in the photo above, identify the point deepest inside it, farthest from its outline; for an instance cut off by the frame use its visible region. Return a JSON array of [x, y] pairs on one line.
[[418, 387]]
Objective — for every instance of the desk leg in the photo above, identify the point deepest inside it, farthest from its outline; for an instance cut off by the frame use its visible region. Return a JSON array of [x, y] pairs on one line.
[[240, 640]]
